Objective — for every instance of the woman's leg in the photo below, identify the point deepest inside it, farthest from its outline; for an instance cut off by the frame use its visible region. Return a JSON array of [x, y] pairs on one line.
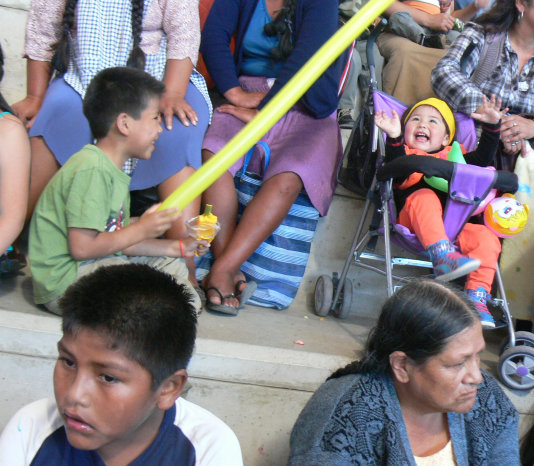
[[43, 167], [178, 152], [178, 228], [261, 217], [223, 197], [166, 188], [59, 131]]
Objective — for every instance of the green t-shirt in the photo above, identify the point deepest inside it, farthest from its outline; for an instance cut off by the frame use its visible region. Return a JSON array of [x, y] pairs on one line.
[[87, 192]]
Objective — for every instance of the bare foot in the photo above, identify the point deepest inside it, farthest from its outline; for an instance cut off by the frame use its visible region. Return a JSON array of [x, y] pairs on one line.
[[225, 283], [240, 284]]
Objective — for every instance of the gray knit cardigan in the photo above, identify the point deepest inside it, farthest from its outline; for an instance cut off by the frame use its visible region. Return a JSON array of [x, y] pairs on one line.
[[357, 420]]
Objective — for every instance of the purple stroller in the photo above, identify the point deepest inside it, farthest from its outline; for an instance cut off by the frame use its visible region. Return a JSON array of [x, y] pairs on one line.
[[468, 186]]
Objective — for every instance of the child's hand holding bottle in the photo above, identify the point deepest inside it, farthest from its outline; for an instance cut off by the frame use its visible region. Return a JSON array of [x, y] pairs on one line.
[[191, 247], [204, 226]]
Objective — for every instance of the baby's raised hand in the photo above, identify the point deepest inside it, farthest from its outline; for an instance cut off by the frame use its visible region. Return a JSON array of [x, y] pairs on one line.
[[490, 110], [391, 126]]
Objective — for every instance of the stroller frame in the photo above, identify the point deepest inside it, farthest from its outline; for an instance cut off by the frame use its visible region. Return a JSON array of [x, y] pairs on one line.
[[334, 294]]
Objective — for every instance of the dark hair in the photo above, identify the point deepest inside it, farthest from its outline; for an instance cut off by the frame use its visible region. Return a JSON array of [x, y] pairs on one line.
[[143, 311], [283, 27], [419, 320], [60, 61], [502, 16], [117, 90], [527, 448], [4, 106]]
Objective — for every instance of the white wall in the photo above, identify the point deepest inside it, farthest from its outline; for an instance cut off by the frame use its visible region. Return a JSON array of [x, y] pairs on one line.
[[13, 15]]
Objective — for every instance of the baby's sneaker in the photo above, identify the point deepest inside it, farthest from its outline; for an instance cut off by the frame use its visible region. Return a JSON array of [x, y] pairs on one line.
[[479, 297], [448, 263]]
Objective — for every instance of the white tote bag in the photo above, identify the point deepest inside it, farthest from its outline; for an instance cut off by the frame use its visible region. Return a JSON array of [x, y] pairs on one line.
[[517, 258]]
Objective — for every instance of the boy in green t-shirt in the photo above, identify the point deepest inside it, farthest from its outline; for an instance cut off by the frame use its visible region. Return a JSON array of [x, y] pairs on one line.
[[82, 219]]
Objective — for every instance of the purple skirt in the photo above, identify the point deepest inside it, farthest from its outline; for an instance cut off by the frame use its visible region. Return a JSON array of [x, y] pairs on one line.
[[299, 143], [65, 129]]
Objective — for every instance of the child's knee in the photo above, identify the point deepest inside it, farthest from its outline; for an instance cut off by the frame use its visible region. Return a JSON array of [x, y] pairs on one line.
[[491, 240], [424, 197], [479, 237]]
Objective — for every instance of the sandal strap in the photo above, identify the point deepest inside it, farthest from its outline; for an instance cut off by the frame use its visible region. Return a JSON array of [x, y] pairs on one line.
[[231, 295]]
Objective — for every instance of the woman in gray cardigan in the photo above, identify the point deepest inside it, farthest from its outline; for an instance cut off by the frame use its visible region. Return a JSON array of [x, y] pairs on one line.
[[417, 395]]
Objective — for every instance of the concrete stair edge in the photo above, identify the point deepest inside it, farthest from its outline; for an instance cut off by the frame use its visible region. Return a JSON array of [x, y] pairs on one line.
[[226, 361]]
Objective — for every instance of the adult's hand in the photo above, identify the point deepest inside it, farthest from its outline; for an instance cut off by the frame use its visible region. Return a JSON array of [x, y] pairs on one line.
[[442, 22], [173, 103], [514, 129], [27, 109], [243, 114], [240, 98], [176, 79], [38, 76]]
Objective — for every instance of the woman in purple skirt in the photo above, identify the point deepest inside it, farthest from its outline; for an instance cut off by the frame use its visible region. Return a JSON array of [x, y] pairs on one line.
[[75, 39], [273, 40]]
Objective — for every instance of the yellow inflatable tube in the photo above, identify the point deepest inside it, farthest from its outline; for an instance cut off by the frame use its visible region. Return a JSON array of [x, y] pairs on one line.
[[208, 173]]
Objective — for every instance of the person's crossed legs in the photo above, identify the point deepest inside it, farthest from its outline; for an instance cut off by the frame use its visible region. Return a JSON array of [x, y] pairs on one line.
[[233, 245]]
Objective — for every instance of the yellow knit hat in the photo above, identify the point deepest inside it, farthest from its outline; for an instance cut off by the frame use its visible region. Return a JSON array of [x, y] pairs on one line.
[[444, 110]]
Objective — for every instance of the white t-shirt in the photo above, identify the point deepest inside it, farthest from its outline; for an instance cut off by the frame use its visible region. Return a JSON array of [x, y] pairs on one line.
[[189, 435]]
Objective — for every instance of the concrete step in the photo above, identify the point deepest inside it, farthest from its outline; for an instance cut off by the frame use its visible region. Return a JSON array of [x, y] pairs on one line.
[[258, 387]]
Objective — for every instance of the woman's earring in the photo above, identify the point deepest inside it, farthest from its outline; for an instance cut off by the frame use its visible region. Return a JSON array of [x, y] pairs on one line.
[[520, 16]]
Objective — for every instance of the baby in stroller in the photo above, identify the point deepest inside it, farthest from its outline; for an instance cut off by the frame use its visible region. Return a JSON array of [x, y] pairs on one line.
[[428, 129]]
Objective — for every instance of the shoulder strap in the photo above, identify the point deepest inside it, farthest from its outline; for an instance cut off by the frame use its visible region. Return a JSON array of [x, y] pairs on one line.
[[489, 57], [248, 156]]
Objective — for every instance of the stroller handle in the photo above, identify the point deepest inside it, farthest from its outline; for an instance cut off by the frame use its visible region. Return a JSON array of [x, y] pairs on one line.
[[369, 48]]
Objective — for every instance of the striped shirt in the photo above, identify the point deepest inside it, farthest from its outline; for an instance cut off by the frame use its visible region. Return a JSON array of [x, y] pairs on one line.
[[515, 87]]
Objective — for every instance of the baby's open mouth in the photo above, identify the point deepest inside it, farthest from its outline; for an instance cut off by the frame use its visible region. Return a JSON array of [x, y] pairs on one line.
[[421, 136]]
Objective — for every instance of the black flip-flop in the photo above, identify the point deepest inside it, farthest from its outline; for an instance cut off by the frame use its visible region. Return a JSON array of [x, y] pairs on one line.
[[246, 293], [221, 308]]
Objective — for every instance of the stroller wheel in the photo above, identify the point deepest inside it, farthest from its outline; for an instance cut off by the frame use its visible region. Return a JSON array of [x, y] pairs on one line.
[[516, 368], [324, 292], [342, 310], [522, 338]]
